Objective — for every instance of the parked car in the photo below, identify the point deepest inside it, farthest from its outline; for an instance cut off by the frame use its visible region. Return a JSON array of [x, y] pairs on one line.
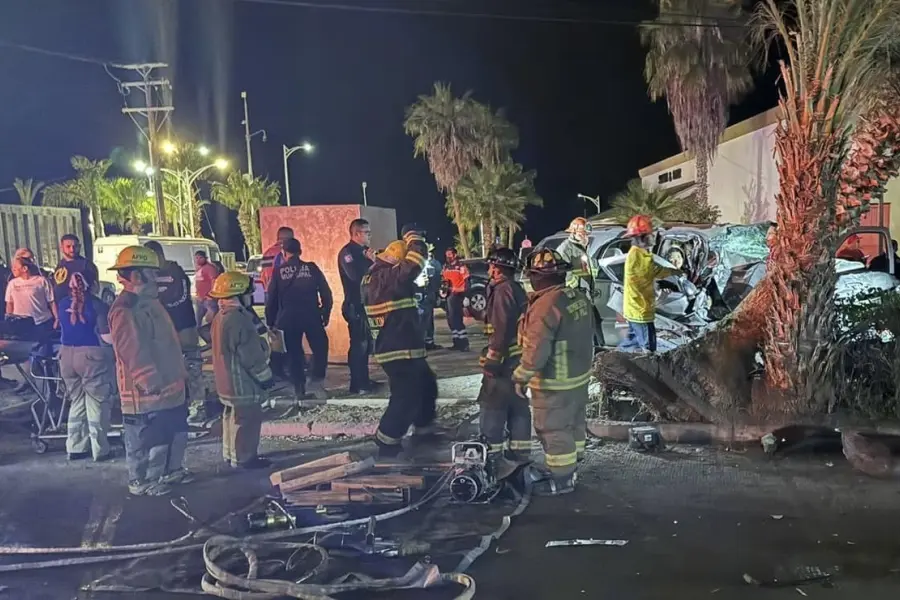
[[476, 293], [254, 270]]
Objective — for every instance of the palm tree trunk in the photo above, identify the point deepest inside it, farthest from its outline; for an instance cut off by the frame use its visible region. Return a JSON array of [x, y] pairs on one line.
[[702, 193], [99, 226], [457, 220], [510, 235]]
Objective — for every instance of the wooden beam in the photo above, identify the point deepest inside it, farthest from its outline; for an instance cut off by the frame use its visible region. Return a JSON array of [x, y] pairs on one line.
[[327, 497], [326, 476], [380, 482], [327, 462]]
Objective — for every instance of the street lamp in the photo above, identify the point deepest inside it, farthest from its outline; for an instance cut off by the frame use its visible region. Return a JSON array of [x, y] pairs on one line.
[[186, 180], [306, 148], [594, 201], [168, 147], [203, 150]]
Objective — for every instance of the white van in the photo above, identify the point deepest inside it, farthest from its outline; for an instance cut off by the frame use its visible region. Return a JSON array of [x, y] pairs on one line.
[[181, 250]]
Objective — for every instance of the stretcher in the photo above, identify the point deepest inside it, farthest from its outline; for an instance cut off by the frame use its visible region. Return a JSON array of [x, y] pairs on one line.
[[49, 410]]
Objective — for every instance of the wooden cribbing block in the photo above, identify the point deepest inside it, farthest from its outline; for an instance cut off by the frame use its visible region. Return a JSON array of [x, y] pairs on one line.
[[380, 482], [327, 497], [326, 462], [328, 475]]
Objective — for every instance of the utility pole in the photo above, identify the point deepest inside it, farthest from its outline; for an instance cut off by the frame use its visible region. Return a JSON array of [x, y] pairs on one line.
[[247, 136], [156, 117]]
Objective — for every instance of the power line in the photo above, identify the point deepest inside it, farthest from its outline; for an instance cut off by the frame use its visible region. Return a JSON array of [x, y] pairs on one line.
[[483, 15], [57, 54]]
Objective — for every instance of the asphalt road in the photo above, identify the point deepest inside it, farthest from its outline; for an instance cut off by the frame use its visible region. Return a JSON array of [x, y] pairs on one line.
[[696, 521]]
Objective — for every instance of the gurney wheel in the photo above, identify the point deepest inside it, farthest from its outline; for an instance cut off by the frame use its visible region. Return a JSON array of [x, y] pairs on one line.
[[39, 446]]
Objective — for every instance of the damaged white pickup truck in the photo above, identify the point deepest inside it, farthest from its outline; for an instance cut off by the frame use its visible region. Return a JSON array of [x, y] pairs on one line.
[[720, 265]]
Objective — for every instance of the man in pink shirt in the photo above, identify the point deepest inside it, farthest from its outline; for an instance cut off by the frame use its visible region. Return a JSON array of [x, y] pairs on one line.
[[203, 282]]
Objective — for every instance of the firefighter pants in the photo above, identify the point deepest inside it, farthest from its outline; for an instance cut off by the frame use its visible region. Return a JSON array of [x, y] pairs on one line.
[[154, 443], [89, 375], [315, 335], [504, 412], [412, 402], [358, 353], [241, 424], [559, 421], [455, 314]]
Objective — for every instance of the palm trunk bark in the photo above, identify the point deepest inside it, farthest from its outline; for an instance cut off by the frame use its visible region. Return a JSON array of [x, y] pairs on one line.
[[702, 180], [457, 220]]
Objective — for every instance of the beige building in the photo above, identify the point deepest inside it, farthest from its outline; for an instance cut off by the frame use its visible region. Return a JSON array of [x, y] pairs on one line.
[[743, 178]]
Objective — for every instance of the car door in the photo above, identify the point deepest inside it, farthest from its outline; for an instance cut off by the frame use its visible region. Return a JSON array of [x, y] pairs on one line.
[[610, 260]]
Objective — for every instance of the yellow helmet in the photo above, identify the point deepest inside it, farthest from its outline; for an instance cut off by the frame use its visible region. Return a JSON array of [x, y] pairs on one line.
[[136, 257], [394, 253], [230, 284]]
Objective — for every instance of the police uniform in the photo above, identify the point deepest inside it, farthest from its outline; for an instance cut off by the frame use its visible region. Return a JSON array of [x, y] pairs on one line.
[[502, 410], [388, 293], [353, 265], [299, 303], [456, 275]]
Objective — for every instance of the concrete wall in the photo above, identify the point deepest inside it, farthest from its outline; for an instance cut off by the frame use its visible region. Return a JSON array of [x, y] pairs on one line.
[[323, 231]]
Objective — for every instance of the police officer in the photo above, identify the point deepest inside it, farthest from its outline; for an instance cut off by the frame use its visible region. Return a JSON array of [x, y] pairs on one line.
[[271, 260], [299, 303], [175, 295], [388, 292], [556, 336], [71, 262], [354, 260], [502, 410]]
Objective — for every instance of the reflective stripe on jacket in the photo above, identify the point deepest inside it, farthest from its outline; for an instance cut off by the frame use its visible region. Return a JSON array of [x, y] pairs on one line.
[[557, 341], [641, 274], [240, 359], [506, 301], [388, 292], [149, 365]]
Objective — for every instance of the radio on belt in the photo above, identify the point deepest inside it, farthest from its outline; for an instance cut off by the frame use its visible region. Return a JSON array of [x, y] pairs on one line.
[[645, 439]]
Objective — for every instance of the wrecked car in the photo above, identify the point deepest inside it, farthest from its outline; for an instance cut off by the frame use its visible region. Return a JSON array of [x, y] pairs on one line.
[[720, 265]]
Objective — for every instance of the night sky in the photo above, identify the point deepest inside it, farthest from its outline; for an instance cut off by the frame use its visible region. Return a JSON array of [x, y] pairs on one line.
[[342, 79]]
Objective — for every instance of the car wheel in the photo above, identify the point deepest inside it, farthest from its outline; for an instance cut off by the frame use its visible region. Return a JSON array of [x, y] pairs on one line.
[[477, 303], [108, 296]]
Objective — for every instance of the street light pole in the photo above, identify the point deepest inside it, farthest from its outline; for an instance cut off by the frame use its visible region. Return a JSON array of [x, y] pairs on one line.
[[307, 148], [365, 200], [186, 180], [594, 201], [247, 135]]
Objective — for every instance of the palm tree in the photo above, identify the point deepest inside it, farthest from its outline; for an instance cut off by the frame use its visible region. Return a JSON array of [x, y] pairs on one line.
[[660, 205], [87, 190], [455, 135], [700, 67], [836, 53], [496, 196], [246, 195], [129, 206], [27, 190]]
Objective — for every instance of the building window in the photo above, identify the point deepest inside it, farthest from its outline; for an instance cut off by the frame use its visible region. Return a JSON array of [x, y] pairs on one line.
[[676, 174], [669, 176], [665, 178]]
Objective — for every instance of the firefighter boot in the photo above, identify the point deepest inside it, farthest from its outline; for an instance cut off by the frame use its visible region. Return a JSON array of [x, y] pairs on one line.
[[545, 483], [499, 467]]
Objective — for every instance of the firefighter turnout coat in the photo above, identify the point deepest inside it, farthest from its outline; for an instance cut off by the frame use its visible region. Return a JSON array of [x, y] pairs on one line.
[[388, 293], [506, 302], [584, 269], [556, 336], [240, 357]]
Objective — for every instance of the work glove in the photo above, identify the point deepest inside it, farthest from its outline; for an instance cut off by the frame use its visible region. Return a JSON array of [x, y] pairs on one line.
[[521, 391], [414, 236], [418, 246]]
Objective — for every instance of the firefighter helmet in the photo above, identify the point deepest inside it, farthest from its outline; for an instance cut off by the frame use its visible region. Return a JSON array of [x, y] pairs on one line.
[[394, 253], [639, 225], [503, 257], [229, 285], [545, 261], [136, 257]]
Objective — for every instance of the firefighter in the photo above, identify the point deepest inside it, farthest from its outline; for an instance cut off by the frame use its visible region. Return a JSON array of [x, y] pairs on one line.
[[271, 258], [240, 362], [388, 293], [556, 336], [456, 276], [574, 250], [299, 303], [354, 260], [175, 295], [502, 410], [639, 299], [151, 378]]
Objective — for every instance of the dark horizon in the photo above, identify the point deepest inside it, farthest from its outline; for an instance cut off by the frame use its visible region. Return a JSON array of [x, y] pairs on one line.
[[343, 79]]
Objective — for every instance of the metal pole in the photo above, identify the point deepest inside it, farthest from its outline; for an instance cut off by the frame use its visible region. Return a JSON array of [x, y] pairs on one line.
[[247, 135], [287, 176], [191, 211], [365, 200]]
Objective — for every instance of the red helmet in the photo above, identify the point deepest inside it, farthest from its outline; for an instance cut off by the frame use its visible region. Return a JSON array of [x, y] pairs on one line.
[[639, 225]]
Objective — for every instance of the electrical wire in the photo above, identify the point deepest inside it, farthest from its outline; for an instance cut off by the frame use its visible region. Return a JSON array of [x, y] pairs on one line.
[[495, 16]]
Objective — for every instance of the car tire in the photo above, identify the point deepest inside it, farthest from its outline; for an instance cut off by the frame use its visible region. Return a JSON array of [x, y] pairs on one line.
[[108, 296], [477, 303]]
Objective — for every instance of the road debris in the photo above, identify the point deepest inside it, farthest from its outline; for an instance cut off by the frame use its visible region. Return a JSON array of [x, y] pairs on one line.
[[584, 542], [777, 517]]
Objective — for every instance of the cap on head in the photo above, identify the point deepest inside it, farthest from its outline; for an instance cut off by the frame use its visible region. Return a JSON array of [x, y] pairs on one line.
[[394, 253], [291, 246], [136, 257], [230, 284]]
